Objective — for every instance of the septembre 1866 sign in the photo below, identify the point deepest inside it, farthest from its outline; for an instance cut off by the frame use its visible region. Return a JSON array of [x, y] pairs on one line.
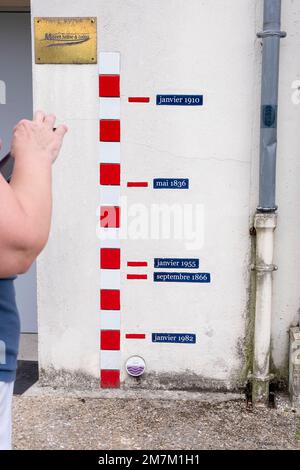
[[65, 40]]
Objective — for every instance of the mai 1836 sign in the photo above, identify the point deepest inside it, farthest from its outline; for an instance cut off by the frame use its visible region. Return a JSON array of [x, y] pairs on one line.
[[65, 40]]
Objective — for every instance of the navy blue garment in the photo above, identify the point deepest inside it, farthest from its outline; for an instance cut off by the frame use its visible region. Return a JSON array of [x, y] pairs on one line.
[[9, 330]]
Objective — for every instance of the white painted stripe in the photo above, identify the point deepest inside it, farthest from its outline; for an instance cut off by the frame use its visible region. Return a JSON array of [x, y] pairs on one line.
[[110, 319], [109, 152], [110, 279], [109, 237], [110, 360], [109, 63], [110, 244], [110, 195], [109, 108]]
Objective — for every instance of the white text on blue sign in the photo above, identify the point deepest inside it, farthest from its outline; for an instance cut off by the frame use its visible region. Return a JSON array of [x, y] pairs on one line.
[[181, 277], [179, 100], [171, 183], [181, 338], [176, 263]]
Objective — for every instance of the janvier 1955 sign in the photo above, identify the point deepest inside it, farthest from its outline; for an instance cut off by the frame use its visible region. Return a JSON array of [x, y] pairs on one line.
[[65, 40]]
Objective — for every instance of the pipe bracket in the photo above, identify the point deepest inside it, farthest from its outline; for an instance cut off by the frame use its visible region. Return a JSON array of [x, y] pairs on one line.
[[264, 268], [259, 378], [267, 210], [266, 34]]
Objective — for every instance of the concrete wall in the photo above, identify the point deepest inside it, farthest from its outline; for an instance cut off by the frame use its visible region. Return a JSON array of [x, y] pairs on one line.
[[182, 48], [286, 304]]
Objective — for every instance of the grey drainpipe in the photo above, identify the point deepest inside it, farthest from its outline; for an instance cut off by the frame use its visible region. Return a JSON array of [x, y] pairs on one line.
[[269, 104], [266, 218]]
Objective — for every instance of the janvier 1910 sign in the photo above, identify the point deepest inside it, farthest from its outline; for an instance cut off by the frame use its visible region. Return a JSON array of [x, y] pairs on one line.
[[65, 40]]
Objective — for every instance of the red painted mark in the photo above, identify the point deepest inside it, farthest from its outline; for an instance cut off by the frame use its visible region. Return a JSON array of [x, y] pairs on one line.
[[110, 130], [137, 276], [110, 299], [109, 86], [135, 336], [110, 174], [110, 378], [110, 216], [137, 184], [110, 340], [136, 264], [110, 258], [138, 99]]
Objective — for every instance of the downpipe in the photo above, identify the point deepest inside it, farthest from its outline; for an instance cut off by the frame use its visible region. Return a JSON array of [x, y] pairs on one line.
[[266, 215], [265, 225]]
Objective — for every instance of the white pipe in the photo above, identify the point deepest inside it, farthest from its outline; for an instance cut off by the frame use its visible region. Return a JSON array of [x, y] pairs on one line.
[[265, 225]]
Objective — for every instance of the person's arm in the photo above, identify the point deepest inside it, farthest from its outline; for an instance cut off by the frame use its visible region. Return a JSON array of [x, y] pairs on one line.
[[25, 203]]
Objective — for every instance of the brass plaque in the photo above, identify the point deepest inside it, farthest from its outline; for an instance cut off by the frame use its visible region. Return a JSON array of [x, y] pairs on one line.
[[65, 40]]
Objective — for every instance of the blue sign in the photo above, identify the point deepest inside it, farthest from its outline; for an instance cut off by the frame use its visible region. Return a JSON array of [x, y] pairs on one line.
[[181, 338], [179, 100], [176, 263], [181, 277], [171, 183]]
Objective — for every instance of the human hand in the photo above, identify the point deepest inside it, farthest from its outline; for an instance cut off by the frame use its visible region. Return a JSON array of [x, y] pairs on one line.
[[36, 139]]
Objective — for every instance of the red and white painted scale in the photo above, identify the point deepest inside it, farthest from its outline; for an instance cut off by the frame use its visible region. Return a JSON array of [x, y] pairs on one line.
[[109, 176], [110, 219]]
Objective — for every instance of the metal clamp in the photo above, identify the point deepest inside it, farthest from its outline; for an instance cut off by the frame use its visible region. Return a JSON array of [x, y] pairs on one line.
[[267, 210], [264, 268], [266, 34], [259, 378]]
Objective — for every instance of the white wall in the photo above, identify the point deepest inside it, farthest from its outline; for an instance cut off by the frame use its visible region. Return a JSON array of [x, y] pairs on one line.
[[196, 47], [286, 305]]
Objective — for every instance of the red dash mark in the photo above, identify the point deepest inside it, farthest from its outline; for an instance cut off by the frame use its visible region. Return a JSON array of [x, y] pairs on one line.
[[138, 99], [136, 264], [137, 184], [137, 276], [135, 336]]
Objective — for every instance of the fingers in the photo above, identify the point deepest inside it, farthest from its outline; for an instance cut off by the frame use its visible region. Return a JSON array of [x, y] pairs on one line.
[[61, 130], [50, 121], [39, 116]]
